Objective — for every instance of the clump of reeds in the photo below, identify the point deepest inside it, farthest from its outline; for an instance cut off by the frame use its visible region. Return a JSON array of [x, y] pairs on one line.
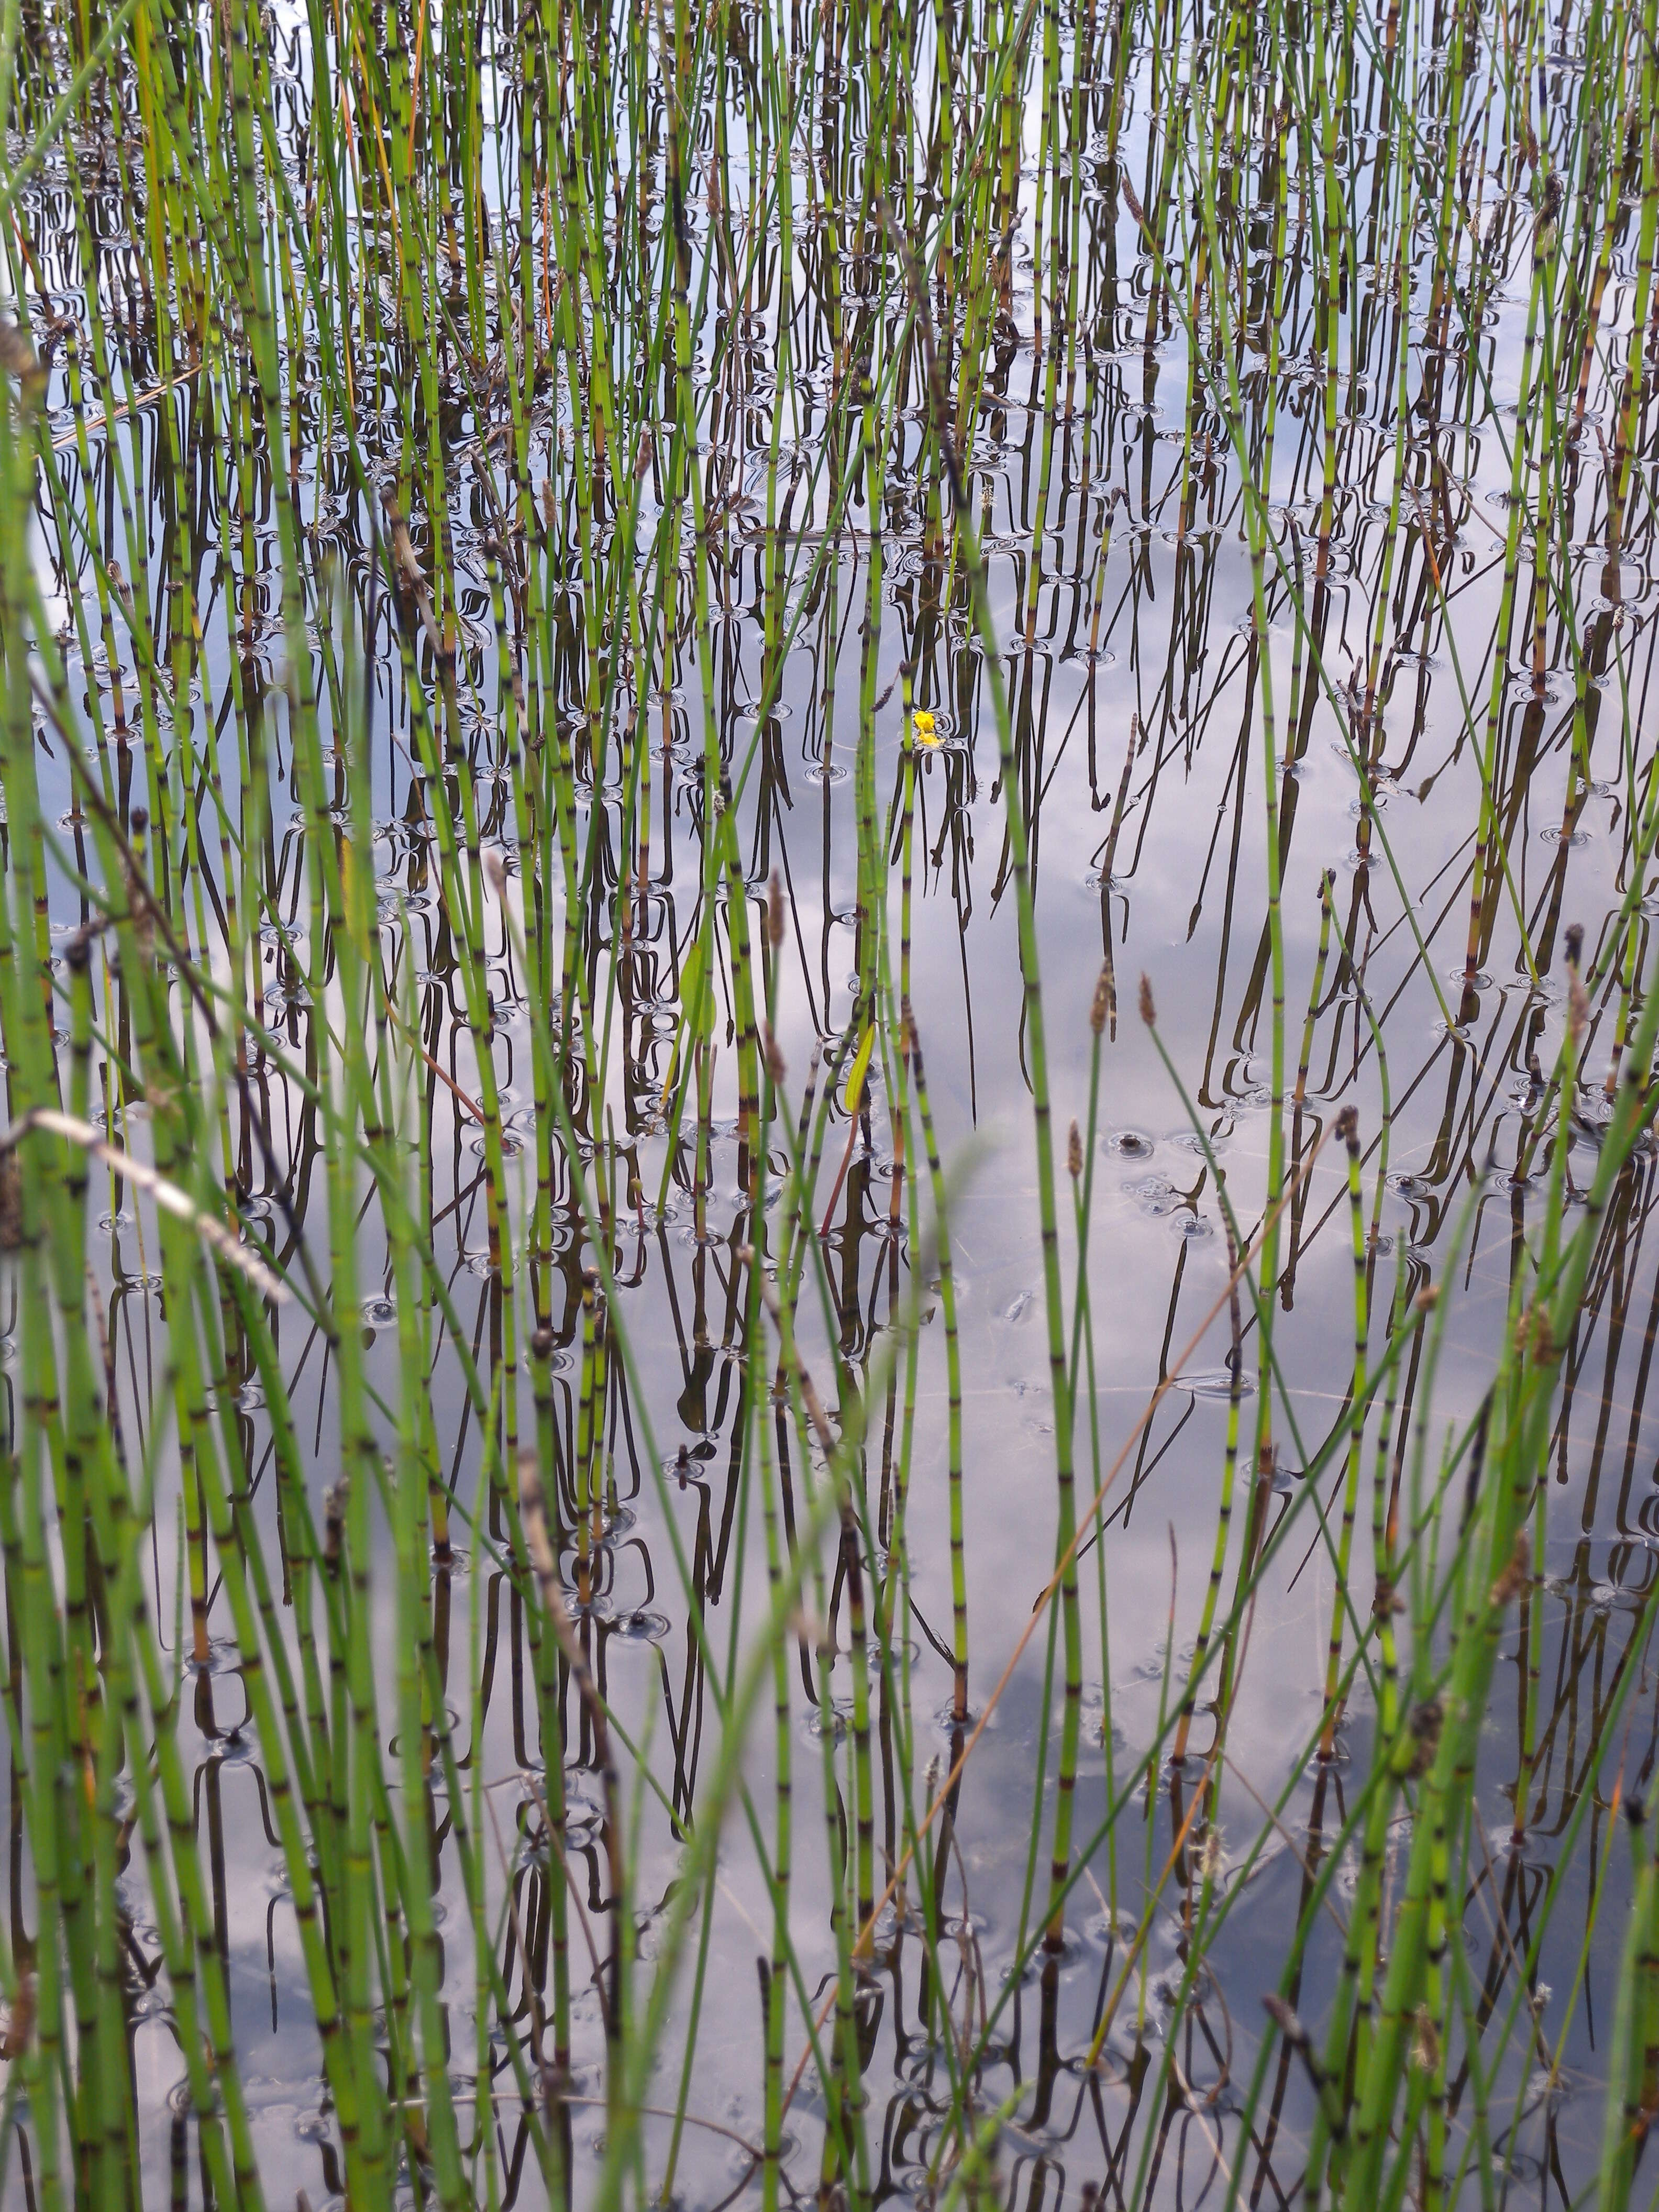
[[431, 450]]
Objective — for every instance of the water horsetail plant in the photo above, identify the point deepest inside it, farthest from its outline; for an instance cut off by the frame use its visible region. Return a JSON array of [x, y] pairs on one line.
[[673, 1529]]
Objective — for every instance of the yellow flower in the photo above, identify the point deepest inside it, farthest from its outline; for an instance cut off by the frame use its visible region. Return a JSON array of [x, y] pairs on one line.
[[922, 723]]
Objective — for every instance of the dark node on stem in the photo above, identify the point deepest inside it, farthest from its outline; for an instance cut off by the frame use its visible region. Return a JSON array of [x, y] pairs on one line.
[[11, 1203], [334, 1506], [1425, 1723], [1516, 1575], [14, 2037]]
